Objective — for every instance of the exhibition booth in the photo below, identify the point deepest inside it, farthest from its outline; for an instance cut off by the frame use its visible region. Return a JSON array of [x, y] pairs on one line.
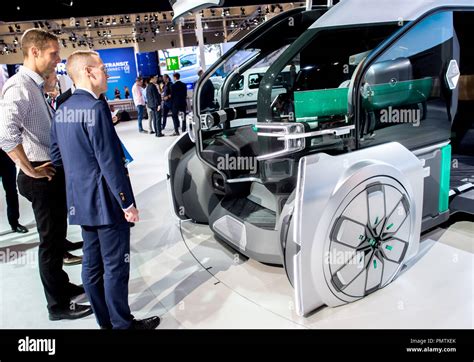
[[325, 180]]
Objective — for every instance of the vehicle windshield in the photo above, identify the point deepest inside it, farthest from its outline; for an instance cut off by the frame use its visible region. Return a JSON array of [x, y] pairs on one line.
[[321, 65], [237, 78]]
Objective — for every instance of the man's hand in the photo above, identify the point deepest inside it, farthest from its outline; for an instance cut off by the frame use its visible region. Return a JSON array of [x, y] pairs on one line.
[[45, 170], [131, 215], [159, 109], [19, 157]]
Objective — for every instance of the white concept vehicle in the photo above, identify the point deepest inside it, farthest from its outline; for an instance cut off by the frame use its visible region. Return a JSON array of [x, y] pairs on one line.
[[335, 177]]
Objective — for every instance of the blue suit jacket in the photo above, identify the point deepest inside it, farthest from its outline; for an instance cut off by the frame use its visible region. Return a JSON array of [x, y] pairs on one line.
[[84, 142]]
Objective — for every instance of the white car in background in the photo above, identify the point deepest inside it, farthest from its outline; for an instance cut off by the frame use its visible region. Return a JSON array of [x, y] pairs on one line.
[[245, 88]]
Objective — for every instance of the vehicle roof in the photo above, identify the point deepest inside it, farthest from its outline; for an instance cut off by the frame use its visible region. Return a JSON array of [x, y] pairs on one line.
[[352, 12]]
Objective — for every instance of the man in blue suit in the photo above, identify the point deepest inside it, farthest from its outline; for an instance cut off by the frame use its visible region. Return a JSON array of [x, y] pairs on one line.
[[99, 193]]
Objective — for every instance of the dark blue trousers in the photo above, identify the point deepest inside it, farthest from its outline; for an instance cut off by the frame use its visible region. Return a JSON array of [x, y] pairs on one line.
[[141, 110], [165, 111], [105, 273]]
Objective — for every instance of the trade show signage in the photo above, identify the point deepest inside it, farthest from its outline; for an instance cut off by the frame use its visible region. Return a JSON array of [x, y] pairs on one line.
[[121, 67], [172, 63]]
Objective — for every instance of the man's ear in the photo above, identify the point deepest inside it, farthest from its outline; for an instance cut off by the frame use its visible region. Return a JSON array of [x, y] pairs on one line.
[[34, 51], [88, 72]]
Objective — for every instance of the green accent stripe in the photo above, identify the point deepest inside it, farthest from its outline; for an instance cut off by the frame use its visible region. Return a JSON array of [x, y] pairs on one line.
[[388, 247], [390, 226], [445, 177]]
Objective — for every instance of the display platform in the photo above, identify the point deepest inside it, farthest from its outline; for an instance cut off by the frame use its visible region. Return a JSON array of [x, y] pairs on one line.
[[180, 272]]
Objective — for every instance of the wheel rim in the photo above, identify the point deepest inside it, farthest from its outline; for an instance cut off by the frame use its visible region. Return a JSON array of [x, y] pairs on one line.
[[367, 244]]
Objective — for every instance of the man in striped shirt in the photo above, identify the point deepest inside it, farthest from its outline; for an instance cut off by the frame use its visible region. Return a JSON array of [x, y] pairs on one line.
[[25, 127]]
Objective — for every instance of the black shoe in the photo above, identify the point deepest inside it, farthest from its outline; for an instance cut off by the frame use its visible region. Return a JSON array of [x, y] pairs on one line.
[[151, 132], [19, 229], [70, 246], [142, 131], [174, 134], [74, 290], [69, 259], [147, 323], [160, 135], [75, 312]]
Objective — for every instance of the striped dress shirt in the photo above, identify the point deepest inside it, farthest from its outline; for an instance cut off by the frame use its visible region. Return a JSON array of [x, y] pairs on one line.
[[25, 115]]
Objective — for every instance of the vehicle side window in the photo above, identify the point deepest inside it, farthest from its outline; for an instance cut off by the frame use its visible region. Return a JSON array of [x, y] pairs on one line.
[[254, 80], [238, 84], [404, 94]]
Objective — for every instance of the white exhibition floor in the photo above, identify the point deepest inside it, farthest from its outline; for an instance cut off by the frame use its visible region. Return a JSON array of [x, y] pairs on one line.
[[183, 274]]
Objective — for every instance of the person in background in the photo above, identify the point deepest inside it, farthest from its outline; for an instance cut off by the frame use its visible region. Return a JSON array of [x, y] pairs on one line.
[[207, 94], [166, 97], [139, 101], [127, 92], [102, 203], [25, 128], [146, 81], [51, 88], [154, 105], [117, 94], [179, 93], [64, 96], [159, 84], [8, 175]]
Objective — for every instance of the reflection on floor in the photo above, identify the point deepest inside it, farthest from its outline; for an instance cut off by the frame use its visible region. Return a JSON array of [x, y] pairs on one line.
[[180, 272]]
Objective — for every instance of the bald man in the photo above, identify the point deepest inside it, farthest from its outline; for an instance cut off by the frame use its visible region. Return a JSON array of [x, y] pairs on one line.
[[99, 194]]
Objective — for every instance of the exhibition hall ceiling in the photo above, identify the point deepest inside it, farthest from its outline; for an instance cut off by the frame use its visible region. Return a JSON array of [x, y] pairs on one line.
[[146, 30], [22, 10]]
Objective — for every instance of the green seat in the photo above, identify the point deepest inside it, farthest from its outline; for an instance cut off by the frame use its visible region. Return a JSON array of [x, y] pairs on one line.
[[320, 103]]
